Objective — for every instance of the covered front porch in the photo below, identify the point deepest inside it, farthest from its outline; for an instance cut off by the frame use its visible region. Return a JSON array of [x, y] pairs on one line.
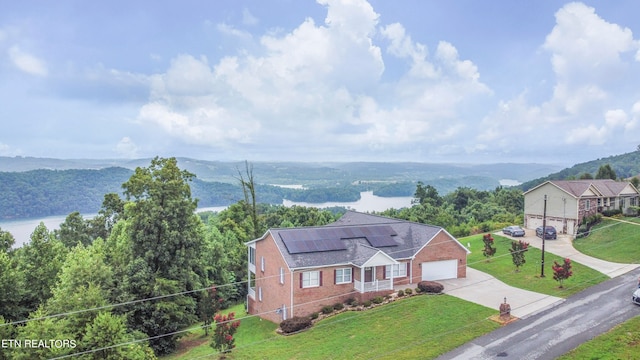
[[372, 275]]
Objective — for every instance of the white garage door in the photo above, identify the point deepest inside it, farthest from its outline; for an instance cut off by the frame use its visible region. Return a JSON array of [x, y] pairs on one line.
[[533, 222], [440, 270]]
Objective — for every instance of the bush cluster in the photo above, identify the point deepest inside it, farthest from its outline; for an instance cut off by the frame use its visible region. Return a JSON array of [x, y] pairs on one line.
[[610, 213], [377, 300], [366, 303], [408, 291], [338, 306], [327, 309], [400, 293], [430, 287], [294, 324]]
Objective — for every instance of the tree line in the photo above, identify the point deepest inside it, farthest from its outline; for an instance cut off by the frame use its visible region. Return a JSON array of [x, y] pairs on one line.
[[144, 268]]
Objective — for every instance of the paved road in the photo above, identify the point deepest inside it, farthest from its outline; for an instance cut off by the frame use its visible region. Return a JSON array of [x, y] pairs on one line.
[[553, 332]]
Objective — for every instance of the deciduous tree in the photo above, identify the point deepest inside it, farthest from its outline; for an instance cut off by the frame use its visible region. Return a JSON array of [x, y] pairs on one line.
[[518, 250], [561, 272], [226, 327], [489, 250], [166, 239]]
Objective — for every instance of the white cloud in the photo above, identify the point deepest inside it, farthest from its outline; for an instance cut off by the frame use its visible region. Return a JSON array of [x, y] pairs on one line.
[[127, 148], [585, 45], [27, 62], [586, 54], [322, 81], [232, 31], [248, 18]]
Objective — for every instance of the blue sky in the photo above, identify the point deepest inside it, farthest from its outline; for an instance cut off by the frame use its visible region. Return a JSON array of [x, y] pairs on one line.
[[327, 80]]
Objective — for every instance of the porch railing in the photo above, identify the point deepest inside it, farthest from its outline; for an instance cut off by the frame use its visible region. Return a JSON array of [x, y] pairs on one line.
[[375, 285]]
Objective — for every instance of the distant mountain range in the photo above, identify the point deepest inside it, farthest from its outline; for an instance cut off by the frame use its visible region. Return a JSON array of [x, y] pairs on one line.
[[37, 187], [288, 173]]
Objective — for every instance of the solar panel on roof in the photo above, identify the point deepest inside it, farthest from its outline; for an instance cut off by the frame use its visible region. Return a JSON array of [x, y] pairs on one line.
[[305, 240]]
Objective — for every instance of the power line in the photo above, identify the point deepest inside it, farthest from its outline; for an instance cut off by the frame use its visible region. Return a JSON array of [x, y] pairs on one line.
[[186, 292]]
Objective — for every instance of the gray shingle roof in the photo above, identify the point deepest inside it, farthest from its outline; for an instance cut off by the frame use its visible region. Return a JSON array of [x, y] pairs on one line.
[[410, 238], [607, 187]]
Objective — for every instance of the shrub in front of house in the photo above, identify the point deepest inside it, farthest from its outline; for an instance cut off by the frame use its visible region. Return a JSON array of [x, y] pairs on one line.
[[430, 287], [351, 301], [295, 324], [314, 316], [377, 300], [417, 290], [327, 309], [367, 303], [338, 306], [400, 293], [408, 291]]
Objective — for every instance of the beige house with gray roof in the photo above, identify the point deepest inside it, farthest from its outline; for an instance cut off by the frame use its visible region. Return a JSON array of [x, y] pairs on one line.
[[570, 201]]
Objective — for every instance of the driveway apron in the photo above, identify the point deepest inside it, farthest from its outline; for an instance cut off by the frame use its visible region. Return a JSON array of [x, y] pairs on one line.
[[484, 289]]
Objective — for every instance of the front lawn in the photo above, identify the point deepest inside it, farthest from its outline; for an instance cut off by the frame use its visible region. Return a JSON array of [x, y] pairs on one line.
[[501, 267], [613, 241], [419, 327]]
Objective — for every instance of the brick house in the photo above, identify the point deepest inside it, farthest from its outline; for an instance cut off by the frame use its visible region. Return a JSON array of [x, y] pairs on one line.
[[570, 201], [297, 271]]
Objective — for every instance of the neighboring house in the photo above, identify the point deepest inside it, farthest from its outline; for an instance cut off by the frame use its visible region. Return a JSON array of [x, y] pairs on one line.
[[297, 271], [570, 201]]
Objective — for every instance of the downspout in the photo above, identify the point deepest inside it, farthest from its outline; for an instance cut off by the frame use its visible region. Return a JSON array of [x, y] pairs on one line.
[[411, 271], [291, 293]]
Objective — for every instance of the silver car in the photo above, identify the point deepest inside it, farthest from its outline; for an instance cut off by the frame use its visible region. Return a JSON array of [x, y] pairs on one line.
[[636, 297], [513, 231]]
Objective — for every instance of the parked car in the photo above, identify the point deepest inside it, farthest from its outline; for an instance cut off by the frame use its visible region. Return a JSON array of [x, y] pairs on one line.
[[513, 230], [636, 297], [549, 232]]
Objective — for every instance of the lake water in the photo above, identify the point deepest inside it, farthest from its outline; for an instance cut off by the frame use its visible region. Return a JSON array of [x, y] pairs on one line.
[[22, 229]]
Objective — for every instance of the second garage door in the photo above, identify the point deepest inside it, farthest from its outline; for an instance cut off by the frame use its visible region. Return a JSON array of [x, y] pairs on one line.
[[440, 270]]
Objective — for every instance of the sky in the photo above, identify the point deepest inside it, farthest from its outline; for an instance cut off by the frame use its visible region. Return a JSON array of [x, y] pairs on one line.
[[459, 81]]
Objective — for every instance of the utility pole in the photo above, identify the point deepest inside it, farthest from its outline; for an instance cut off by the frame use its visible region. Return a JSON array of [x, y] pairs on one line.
[[544, 235]]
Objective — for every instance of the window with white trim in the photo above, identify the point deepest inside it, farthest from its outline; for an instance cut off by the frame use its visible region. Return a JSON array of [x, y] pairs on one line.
[[281, 276], [587, 204], [262, 263], [260, 293], [343, 275], [399, 270], [310, 279], [252, 255]]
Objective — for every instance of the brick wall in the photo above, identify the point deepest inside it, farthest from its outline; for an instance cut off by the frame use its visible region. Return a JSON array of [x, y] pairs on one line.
[[274, 293]]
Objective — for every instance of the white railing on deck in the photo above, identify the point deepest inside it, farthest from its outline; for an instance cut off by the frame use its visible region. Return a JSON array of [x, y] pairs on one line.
[[376, 285]]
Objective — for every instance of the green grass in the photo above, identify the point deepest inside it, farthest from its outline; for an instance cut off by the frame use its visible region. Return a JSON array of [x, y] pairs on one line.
[[622, 342], [427, 326], [252, 330], [613, 240], [501, 267], [421, 327]]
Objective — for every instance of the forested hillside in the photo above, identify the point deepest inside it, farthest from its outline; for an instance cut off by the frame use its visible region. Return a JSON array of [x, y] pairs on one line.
[[61, 189], [625, 166]]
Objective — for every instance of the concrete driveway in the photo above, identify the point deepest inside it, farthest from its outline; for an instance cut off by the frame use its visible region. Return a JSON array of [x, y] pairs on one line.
[[562, 246], [484, 289]]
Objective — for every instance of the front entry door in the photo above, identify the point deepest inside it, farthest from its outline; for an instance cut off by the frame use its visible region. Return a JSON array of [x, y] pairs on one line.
[[368, 274]]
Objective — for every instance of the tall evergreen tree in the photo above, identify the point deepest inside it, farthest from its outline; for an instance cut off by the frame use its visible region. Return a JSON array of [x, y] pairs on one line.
[[166, 239]]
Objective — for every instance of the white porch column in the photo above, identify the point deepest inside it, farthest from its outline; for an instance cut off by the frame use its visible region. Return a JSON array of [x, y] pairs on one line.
[[362, 279]]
